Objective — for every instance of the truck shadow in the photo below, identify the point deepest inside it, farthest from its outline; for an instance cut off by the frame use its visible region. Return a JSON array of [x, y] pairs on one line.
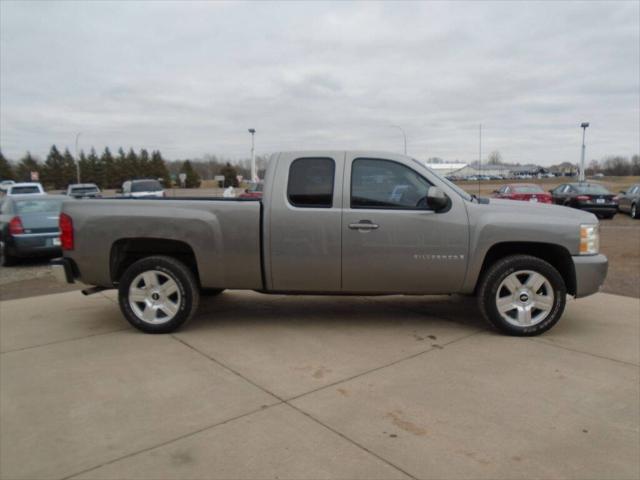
[[250, 308]]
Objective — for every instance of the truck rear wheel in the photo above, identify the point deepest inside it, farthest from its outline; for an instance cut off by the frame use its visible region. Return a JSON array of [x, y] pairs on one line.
[[158, 294], [522, 295]]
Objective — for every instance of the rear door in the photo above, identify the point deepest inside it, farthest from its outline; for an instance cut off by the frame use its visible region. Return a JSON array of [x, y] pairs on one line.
[[304, 222], [391, 242]]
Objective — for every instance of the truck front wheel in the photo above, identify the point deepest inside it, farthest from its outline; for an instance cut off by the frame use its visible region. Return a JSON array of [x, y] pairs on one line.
[[158, 294], [522, 295]]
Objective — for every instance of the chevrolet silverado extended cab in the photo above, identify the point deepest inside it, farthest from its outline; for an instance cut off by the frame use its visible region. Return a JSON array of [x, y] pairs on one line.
[[338, 223]]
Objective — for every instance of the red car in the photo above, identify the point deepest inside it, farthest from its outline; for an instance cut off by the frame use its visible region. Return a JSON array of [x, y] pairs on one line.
[[527, 192]]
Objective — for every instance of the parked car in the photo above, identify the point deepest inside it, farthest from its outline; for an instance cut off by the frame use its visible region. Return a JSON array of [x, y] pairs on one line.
[[523, 191], [25, 188], [142, 188], [83, 190], [4, 184], [29, 226], [591, 197], [629, 201], [334, 222], [254, 191]]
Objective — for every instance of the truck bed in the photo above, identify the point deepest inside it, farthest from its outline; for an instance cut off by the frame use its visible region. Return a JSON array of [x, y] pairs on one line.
[[223, 233]]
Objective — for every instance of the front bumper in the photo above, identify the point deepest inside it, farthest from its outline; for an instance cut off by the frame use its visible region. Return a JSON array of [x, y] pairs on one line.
[[591, 270], [64, 269]]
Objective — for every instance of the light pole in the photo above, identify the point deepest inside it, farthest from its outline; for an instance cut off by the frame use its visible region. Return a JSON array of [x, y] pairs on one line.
[[584, 126], [404, 136], [254, 175], [77, 159], [479, 157]]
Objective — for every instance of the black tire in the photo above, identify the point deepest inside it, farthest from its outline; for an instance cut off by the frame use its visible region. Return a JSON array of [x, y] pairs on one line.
[[634, 211], [492, 280], [210, 292], [185, 305], [6, 260]]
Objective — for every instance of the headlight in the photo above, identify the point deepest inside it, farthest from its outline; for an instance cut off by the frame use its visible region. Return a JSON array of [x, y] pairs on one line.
[[589, 239]]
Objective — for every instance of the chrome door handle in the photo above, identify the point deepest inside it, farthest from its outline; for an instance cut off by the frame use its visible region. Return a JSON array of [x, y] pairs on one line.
[[363, 226]]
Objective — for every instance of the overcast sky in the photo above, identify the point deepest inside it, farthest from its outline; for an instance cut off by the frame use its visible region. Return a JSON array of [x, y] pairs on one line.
[[190, 78]]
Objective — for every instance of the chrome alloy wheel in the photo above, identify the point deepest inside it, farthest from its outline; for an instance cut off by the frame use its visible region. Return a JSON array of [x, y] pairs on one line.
[[154, 297], [525, 298]]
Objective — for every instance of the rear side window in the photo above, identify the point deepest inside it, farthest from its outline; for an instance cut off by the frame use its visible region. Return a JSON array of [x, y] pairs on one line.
[[311, 182]]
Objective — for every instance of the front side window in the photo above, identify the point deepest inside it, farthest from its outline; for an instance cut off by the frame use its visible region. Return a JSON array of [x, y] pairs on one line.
[[311, 182], [386, 184]]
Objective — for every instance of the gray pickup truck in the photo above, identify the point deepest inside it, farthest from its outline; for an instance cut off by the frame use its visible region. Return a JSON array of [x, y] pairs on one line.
[[337, 223]]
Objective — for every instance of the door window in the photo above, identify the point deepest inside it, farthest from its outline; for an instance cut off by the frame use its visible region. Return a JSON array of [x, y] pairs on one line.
[[386, 184], [311, 182]]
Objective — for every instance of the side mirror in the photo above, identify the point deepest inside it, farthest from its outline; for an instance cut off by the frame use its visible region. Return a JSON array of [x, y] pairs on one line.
[[437, 200], [623, 192]]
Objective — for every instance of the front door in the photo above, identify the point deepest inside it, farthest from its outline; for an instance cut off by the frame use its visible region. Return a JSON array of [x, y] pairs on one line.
[[391, 242]]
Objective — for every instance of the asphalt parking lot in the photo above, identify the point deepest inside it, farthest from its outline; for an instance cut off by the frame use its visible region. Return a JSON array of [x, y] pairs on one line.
[[260, 386]]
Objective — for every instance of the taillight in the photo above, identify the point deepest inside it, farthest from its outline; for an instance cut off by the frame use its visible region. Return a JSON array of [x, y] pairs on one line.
[[583, 198], [66, 231], [15, 226]]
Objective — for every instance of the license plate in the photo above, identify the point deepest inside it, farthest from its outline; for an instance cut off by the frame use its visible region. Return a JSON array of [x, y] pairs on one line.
[[534, 200], [55, 241], [599, 200]]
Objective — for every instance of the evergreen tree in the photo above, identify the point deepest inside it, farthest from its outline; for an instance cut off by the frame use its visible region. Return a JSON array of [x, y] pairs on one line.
[[132, 166], [120, 163], [230, 175], [53, 171], [95, 167], [144, 164], [108, 169], [158, 168], [193, 179], [69, 172], [86, 175], [27, 165], [6, 170], [107, 165]]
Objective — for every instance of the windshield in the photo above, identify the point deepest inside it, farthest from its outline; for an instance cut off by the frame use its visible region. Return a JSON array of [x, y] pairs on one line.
[[527, 189], [38, 206], [146, 186], [449, 183], [592, 189], [24, 190]]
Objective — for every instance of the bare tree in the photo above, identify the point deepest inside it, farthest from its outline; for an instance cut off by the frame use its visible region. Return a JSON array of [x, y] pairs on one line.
[[495, 158]]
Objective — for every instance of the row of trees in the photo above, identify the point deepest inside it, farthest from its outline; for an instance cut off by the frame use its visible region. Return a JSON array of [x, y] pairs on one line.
[[109, 171], [615, 166], [106, 170]]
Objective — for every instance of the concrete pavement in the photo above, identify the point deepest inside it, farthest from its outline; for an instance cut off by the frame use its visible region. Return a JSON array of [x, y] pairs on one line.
[[261, 386]]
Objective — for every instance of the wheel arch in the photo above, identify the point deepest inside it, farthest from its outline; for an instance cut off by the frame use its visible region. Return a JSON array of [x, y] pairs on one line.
[[556, 255], [126, 251]]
